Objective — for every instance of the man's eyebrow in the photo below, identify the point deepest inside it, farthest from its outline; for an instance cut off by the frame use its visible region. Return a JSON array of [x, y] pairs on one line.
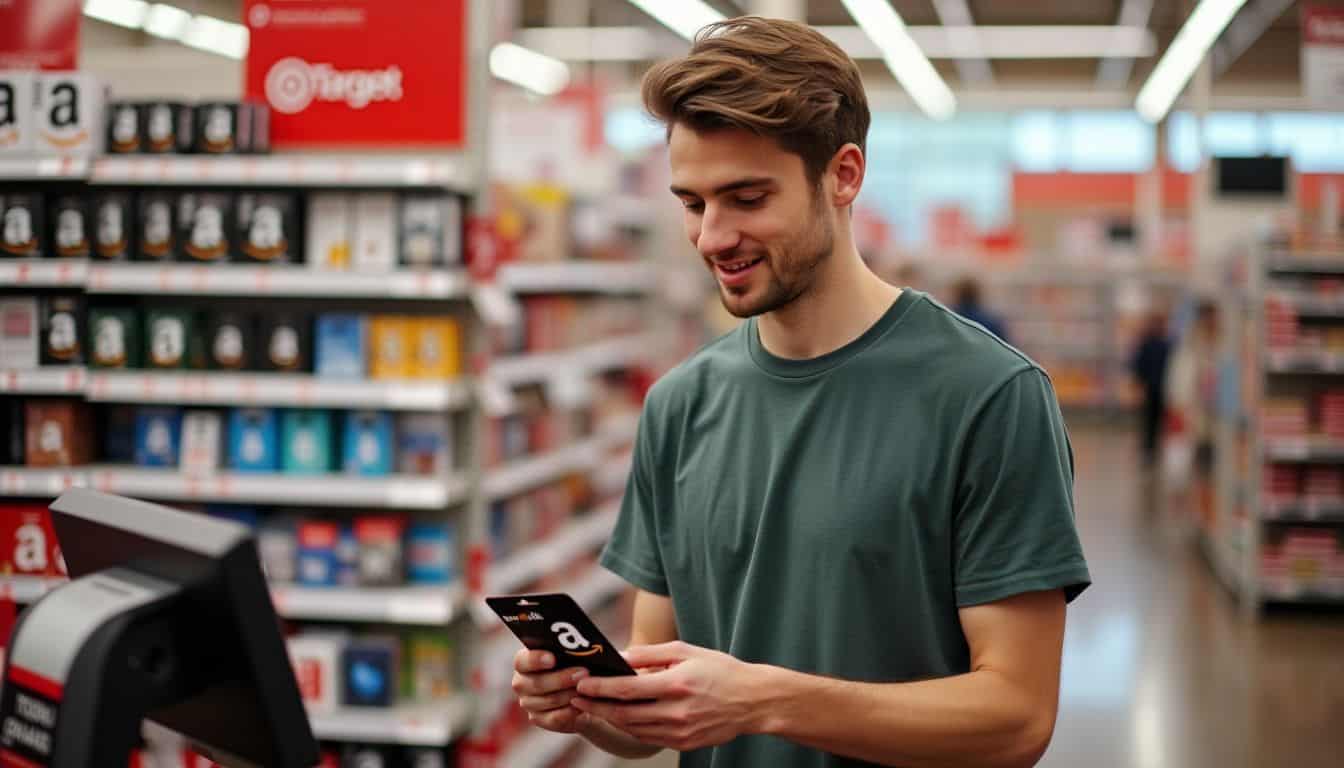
[[732, 186]]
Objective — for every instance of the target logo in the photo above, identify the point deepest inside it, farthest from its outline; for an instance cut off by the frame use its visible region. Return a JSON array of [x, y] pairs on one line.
[[259, 16], [293, 84]]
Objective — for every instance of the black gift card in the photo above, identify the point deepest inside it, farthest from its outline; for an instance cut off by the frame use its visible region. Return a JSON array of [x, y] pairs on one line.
[[166, 127], [267, 228], [205, 226], [70, 232], [62, 324], [157, 233], [217, 128], [111, 223], [21, 230], [556, 623], [123, 128]]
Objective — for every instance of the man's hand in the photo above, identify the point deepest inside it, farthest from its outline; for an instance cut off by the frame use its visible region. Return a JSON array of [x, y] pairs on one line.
[[699, 698], [546, 695]]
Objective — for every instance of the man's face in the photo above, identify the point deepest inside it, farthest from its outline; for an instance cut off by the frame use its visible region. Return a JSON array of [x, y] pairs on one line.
[[760, 225]]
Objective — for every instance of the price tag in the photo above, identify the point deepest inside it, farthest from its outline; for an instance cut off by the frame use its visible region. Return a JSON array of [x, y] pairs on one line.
[[423, 495], [263, 280], [165, 279], [496, 398], [11, 381], [98, 277], [304, 392], [23, 274]]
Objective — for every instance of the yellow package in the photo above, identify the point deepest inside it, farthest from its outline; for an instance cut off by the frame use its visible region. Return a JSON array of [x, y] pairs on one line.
[[390, 346]]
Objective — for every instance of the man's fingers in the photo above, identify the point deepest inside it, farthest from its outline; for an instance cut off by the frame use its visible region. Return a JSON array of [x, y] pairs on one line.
[[547, 683], [547, 703], [530, 662], [623, 715], [628, 687], [660, 655], [563, 720]]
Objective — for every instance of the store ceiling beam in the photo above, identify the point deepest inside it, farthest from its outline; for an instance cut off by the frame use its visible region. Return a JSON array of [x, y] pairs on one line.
[[1114, 71], [1250, 24], [903, 56], [956, 18], [685, 17], [1183, 57], [635, 43], [793, 10]]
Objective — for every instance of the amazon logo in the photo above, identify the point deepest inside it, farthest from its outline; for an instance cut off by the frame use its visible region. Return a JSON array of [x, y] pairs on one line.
[[573, 641]]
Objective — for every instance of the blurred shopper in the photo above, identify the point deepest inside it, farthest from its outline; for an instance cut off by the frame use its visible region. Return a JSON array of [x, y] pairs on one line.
[[849, 520], [1191, 392], [1149, 367], [966, 301]]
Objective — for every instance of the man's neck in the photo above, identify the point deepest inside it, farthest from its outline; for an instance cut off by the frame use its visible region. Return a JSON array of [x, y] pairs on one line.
[[845, 301]]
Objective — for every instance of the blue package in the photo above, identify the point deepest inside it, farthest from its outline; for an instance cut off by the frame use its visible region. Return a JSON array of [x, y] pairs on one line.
[[158, 432], [347, 558], [248, 516], [499, 529], [318, 557], [370, 672], [254, 440], [306, 437], [367, 439], [340, 346], [431, 553]]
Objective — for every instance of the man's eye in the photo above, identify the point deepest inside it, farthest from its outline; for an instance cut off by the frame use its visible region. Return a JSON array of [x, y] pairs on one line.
[[751, 202], [692, 205]]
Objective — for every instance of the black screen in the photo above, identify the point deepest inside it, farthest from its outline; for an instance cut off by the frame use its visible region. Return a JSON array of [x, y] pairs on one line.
[[1258, 176]]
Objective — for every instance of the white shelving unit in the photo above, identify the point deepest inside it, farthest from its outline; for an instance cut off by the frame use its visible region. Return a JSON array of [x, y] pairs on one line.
[[46, 380], [322, 490], [429, 605], [276, 389], [288, 170], [274, 281], [433, 724], [42, 273], [61, 168], [615, 277], [583, 361], [536, 561]]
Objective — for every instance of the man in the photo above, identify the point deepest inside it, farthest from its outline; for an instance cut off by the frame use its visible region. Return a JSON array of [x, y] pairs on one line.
[[966, 302], [849, 520]]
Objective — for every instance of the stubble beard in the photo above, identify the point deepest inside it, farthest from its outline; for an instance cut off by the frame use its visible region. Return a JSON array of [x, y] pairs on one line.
[[793, 269]]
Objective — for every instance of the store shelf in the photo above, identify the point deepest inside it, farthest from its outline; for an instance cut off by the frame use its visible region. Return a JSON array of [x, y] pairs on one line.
[[287, 170], [530, 564], [586, 360], [1290, 263], [1303, 510], [40, 483], [538, 748], [324, 490], [578, 277], [273, 281], [1308, 361], [526, 474], [48, 380], [276, 389], [430, 605], [436, 724], [67, 168], [43, 273], [1304, 449], [1272, 593], [610, 477], [1309, 305]]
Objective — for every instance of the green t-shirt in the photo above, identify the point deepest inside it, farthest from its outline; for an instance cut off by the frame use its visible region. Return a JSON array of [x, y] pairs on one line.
[[831, 515]]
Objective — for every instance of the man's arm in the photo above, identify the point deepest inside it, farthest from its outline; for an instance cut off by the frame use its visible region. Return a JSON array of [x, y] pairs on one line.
[[1000, 714]]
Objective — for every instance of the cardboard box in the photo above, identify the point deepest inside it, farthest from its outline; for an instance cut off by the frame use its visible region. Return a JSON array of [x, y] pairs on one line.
[[18, 111], [205, 223], [202, 442], [367, 441], [436, 348], [268, 228], [63, 330], [217, 128], [123, 128], [70, 113], [431, 553], [340, 346], [57, 433], [29, 540], [168, 337], [424, 444], [370, 671], [431, 230], [306, 440], [20, 334], [114, 338], [375, 246], [70, 235], [22, 226], [156, 237], [316, 657], [390, 346], [284, 343], [230, 340], [114, 226], [157, 435], [381, 560], [254, 440], [330, 230], [166, 127], [317, 553]]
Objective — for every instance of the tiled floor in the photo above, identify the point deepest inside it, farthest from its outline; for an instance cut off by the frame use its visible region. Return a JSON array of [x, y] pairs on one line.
[[1161, 669]]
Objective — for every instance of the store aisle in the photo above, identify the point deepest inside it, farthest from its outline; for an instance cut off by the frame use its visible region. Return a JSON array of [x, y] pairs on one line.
[[1161, 670]]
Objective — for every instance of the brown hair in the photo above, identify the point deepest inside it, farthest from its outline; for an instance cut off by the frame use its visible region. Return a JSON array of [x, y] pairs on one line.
[[775, 78]]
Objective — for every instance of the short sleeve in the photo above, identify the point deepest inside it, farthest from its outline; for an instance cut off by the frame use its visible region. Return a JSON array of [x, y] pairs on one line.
[[1014, 527], [633, 553]]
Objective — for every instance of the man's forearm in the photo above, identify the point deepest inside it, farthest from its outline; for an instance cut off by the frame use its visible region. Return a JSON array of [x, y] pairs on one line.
[[980, 718], [619, 743]]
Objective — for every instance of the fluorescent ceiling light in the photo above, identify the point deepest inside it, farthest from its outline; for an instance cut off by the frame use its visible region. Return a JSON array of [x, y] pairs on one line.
[[1009, 42], [1178, 64], [685, 17], [903, 56], [166, 21], [534, 71], [213, 35], [123, 13], [955, 15]]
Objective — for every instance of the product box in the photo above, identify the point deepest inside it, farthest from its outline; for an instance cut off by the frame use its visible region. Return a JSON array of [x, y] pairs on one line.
[[157, 431], [367, 442], [217, 128], [168, 336], [330, 230], [20, 334], [390, 346], [70, 114], [428, 667], [317, 553], [424, 444], [229, 341], [156, 232], [436, 348], [347, 558], [62, 330], [431, 230], [375, 235], [369, 666], [268, 228], [30, 540], [340, 346], [70, 236], [254, 119], [18, 111], [13, 436], [381, 561], [284, 343], [254, 440], [316, 657], [113, 225], [22, 226], [202, 442], [57, 433], [116, 425], [368, 756], [278, 545], [428, 757], [306, 440], [166, 127], [431, 553], [114, 336], [205, 224], [123, 128]]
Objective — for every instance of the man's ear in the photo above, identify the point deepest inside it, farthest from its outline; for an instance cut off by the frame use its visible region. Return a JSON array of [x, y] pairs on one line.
[[846, 168]]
